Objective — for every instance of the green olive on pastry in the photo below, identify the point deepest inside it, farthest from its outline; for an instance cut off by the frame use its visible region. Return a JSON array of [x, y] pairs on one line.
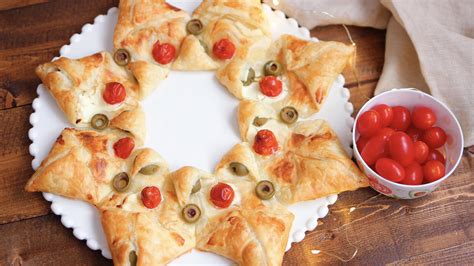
[[194, 26], [259, 121], [122, 57], [289, 115], [99, 121], [121, 182], [272, 68], [149, 169], [238, 169], [196, 187], [265, 190], [250, 77], [191, 213], [132, 257]]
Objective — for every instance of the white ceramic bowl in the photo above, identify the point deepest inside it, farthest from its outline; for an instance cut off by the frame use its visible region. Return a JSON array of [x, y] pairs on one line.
[[410, 98]]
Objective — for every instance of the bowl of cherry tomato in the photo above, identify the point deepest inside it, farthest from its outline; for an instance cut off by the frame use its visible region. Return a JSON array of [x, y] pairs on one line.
[[406, 142]]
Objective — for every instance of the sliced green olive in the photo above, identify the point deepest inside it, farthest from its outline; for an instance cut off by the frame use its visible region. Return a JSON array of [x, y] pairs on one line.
[[196, 187], [194, 26], [132, 257], [191, 213], [238, 169], [259, 121], [289, 115], [122, 57], [121, 182], [250, 77], [265, 190], [272, 68], [99, 121], [149, 169]]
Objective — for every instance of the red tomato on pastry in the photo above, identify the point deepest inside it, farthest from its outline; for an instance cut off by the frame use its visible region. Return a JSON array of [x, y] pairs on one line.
[[223, 49], [401, 118], [265, 142], [390, 169], [222, 195], [163, 53], [271, 86], [114, 93], [434, 137], [423, 117], [386, 114], [151, 197], [124, 147], [401, 148]]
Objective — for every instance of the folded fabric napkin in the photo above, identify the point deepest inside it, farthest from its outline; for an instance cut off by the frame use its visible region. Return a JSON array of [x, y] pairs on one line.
[[429, 44]]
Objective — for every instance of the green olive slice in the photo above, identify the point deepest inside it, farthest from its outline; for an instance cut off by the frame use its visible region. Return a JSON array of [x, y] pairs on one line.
[[121, 182], [289, 114], [191, 213], [272, 68], [196, 187], [238, 168], [259, 121], [149, 169], [250, 77], [99, 121], [265, 190], [194, 26], [122, 57], [132, 257]]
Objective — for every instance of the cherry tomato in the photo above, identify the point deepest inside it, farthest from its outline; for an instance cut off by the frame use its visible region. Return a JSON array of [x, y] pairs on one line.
[[385, 131], [432, 171], [265, 142], [223, 49], [374, 150], [423, 117], [163, 53], [390, 169], [368, 123], [361, 142], [114, 93], [435, 155], [421, 152], [413, 175], [434, 137], [401, 118], [401, 148], [123, 147], [414, 133], [270, 86], [151, 197], [222, 195], [385, 112]]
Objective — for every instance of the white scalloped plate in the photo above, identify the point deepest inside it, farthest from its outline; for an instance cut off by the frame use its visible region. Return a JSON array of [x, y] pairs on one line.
[[191, 120]]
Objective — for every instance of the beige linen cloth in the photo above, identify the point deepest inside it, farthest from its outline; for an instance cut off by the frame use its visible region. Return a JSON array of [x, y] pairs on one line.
[[429, 44]]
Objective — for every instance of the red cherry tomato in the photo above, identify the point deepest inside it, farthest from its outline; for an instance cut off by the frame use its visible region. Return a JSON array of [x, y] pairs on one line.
[[368, 123], [361, 142], [265, 142], [385, 112], [123, 147], [423, 117], [151, 197], [374, 150], [435, 155], [434, 137], [270, 86], [223, 49], [401, 148], [163, 53], [401, 118], [390, 169], [432, 171], [413, 175], [114, 93], [414, 133], [385, 131], [222, 195], [421, 152]]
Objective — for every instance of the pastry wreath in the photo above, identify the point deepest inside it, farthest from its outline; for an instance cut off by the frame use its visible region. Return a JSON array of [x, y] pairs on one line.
[[150, 215]]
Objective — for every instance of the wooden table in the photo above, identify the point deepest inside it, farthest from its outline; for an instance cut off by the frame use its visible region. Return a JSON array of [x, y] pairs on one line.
[[438, 228]]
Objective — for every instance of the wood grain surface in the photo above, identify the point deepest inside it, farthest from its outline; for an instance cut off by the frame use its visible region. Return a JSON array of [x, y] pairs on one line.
[[363, 227]]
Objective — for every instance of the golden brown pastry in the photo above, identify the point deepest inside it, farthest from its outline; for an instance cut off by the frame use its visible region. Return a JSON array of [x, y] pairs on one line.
[[95, 85], [304, 69], [147, 38], [308, 161], [220, 30]]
